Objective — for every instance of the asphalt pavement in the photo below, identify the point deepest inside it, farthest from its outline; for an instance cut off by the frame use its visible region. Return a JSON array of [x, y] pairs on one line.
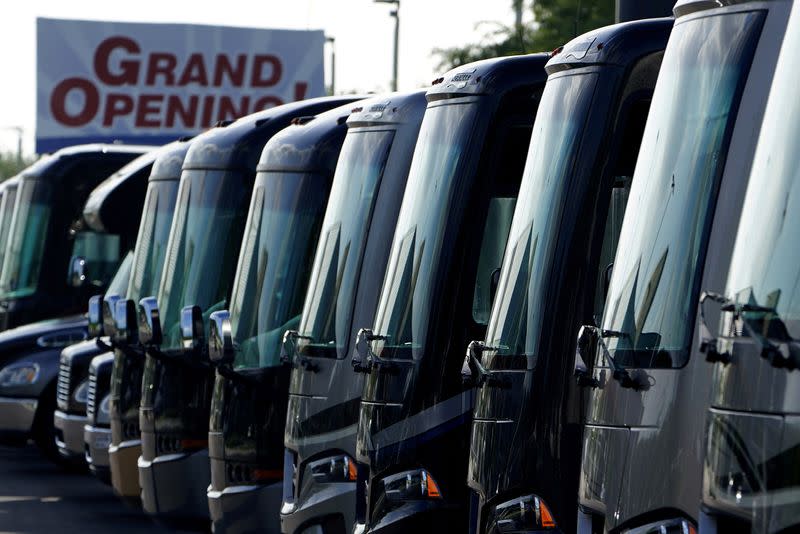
[[36, 496]]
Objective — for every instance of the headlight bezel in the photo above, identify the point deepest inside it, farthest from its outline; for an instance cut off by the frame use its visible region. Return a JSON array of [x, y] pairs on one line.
[[103, 411], [675, 525], [525, 513], [410, 485], [80, 395], [338, 468], [18, 374]]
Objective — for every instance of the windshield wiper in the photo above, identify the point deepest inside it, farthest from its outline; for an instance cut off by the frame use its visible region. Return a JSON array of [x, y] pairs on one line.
[[366, 360], [474, 374], [289, 351]]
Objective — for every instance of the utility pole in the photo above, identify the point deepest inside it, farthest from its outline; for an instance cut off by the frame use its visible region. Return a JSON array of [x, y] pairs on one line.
[[332, 42], [19, 131], [396, 14]]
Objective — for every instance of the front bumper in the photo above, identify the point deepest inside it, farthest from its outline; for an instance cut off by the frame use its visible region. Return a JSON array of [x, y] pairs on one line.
[[96, 441], [175, 485], [418, 516], [327, 502], [16, 418], [122, 462], [69, 435], [246, 508]]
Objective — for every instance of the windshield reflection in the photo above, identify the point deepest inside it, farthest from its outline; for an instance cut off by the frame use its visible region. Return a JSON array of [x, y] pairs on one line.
[[445, 135], [328, 309], [209, 217], [654, 287], [765, 267], [151, 243], [6, 213], [517, 313], [275, 263], [26, 239]]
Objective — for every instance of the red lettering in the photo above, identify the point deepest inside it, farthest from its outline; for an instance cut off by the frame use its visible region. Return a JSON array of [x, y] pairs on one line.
[[163, 64], [175, 107], [117, 105], [267, 102], [194, 72], [208, 107], [148, 105], [227, 110], [300, 89], [58, 102], [223, 67], [128, 72], [259, 61]]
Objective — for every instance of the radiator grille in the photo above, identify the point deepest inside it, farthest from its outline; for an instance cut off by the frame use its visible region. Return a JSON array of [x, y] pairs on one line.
[[90, 397], [63, 385]]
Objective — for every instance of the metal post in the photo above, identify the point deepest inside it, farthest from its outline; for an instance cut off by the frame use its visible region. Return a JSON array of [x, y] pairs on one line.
[[396, 14], [332, 42]]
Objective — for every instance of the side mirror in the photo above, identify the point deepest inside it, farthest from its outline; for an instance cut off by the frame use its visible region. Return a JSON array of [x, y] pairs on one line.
[[220, 338], [77, 271], [289, 345], [470, 372], [192, 334], [149, 322], [126, 322], [95, 316], [584, 351], [109, 311]]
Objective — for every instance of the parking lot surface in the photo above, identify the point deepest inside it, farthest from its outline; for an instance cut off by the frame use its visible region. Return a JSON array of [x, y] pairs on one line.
[[37, 497]]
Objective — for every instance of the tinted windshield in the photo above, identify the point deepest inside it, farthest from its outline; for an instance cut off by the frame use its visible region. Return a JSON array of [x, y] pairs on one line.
[[654, 287], [100, 251], [6, 213], [203, 244], [26, 237], [765, 267], [533, 238], [329, 302], [151, 244], [275, 263], [407, 290], [120, 280]]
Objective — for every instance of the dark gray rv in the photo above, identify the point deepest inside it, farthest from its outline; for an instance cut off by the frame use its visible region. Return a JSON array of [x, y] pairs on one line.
[[562, 241], [102, 235], [647, 383], [751, 481], [320, 471], [248, 409], [176, 385], [153, 216], [42, 241], [436, 296]]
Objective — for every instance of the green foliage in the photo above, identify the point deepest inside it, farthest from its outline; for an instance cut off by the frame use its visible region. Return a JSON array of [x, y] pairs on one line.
[[556, 22], [10, 165]]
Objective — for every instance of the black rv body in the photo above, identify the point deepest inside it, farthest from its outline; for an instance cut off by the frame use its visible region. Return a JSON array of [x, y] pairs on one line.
[[436, 296], [324, 394], [559, 253]]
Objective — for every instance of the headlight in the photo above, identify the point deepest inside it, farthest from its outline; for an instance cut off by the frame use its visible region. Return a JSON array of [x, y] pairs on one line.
[[523, 514], [104, 411], [81, 393], [340, 468], [670, 526], [19, 374], [410, 486]]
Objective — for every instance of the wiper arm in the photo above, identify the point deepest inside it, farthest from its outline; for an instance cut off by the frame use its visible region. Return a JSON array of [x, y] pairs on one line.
[[474, 374], [618, 373]]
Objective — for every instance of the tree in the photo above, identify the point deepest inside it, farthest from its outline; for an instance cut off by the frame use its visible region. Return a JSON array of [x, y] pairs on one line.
[[10, 165], [555, 23]]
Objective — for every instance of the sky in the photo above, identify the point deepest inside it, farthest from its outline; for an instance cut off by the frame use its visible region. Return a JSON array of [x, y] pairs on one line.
[[363, 31]]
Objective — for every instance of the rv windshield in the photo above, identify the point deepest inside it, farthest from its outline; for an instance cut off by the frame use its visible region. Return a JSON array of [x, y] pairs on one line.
[[446, 133], [275, 263], [328, 306], [203, 241], [6, 213], [26, 239], [151, 244], [764, 268], [655, 285], [517, 312]]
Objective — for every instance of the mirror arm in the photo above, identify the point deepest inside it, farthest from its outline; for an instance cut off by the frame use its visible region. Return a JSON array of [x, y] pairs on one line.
[[102, 345], [708, 342]]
